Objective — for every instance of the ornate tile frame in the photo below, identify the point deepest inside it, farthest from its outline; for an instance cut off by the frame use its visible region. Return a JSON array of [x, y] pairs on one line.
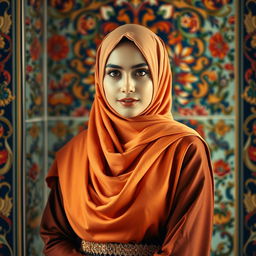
[[20, 131], [18, 114]]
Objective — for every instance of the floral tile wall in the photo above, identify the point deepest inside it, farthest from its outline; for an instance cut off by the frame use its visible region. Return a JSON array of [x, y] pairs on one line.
[[34, 120], [199, 36], [34, 184], [219, 135], [7, 104], [34, 58]]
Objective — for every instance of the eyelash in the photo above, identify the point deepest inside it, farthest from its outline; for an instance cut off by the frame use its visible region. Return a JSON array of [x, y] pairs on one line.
[[118, 73], [110, 73], [146, 71]]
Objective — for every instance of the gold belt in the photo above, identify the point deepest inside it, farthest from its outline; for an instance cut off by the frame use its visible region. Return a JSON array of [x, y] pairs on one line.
[[119, 249]]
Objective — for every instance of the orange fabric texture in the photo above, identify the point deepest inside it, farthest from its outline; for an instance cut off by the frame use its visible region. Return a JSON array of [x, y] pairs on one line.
[[120, 178]]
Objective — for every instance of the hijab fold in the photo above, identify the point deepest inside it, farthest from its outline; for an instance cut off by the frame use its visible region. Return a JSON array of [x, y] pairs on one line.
[[109, 173]]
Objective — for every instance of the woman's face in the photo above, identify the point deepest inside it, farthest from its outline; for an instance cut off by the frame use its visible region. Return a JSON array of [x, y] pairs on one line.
[[127, 80]]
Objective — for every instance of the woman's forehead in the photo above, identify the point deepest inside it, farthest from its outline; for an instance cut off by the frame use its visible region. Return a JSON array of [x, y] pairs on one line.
[[126, 54]]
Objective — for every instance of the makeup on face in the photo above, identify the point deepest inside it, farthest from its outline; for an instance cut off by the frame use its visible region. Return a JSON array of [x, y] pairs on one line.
[[127, 82]]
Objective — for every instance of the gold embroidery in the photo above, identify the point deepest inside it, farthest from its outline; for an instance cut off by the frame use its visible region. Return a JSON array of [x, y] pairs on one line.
[[119, 249]]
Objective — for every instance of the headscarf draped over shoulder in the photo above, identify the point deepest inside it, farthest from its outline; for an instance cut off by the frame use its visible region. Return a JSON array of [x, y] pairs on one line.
[[108, 171]]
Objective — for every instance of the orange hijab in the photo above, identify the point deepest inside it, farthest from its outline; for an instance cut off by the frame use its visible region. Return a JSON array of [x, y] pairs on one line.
[[109, 174]]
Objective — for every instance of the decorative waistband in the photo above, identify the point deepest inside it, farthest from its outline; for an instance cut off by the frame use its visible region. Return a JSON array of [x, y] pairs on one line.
[[118, 249]]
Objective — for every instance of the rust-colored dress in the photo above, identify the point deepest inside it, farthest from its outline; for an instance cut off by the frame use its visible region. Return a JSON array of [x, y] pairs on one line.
[[187, 225], [145, 179]]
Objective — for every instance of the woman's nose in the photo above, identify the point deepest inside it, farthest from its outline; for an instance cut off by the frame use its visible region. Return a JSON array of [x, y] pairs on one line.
[[128, 85]]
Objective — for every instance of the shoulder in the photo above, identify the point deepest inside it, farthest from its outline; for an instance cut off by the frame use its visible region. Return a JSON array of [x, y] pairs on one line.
[[194, 145], [80, 137], [193, 141], [77, 143], [197, 160]]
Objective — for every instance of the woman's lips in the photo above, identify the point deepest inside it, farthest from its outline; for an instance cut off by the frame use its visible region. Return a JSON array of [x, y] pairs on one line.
[[128, 102]]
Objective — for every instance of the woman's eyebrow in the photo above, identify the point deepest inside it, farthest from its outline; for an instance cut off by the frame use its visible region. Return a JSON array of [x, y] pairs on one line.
[[119, 67]]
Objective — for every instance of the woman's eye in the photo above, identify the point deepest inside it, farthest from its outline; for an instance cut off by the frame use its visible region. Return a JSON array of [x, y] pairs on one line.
[[141, 72], [114, 73]]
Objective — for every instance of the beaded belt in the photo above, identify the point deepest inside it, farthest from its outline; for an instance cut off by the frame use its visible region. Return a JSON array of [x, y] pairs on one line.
[[118, 249]]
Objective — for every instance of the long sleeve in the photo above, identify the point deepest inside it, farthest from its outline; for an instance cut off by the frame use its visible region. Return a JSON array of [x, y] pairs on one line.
[[58, 236], [189, 228]]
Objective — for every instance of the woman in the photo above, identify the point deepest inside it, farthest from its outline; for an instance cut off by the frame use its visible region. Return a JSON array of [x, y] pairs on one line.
[[136, 182]]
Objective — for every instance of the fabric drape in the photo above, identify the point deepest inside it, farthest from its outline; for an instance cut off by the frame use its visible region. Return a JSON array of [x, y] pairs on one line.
[[187, 226]]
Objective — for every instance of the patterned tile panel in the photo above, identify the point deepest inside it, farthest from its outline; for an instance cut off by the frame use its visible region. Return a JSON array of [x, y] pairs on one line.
[[248, 114], [34, 186], [199, 37], [7, 191], [34, 58], [219, 135]]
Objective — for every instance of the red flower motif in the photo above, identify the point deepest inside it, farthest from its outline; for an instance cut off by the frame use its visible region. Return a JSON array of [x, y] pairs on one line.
[[221, 168], [252, 153], [191, 22], [29, 68], [35, 49], [58, 47], [231, 20], [185, 111], [27, 21], [1, 131], [3, 156], [196, 110], [34, 171], [217, 46], [229, 67], [200, 110], [85, 23]]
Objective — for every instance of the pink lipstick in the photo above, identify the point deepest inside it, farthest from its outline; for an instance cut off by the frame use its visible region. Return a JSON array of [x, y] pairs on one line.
[[128, 102]]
